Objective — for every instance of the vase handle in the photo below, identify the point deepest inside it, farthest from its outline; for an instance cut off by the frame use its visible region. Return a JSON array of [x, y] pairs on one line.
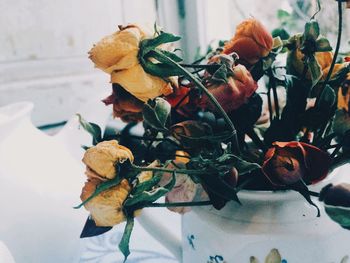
[[161, 233]]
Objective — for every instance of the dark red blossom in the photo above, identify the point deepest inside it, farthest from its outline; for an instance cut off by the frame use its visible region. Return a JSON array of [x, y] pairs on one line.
[[287, 163]]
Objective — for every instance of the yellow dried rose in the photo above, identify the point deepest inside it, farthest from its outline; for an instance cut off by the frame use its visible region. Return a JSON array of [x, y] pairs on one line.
[[101, 159], [117, 54], [106, 208], [147, 175]]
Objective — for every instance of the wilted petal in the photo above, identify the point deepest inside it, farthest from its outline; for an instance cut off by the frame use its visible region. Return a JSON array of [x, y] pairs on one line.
[[102, 158]]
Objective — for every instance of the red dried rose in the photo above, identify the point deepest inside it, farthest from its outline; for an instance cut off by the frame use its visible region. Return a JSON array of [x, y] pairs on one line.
[[287, 163], [178, 97], [125, 106]]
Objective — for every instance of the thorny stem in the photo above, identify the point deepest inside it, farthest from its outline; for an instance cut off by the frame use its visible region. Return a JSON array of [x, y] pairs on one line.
[[180, 204], [340, 27], [210, 96]]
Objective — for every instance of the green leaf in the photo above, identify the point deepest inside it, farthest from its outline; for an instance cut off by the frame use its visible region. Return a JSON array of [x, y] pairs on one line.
[[243, 167], [312, 30], [156, 113], [339, 214], [101, 188], [171, 55], [150, 44], [124, 242], [322, 44], [91, 128], [148, 50], [315, 70], [283, 14], [161, 70], [150, 196], [217, 185], [147, 185]]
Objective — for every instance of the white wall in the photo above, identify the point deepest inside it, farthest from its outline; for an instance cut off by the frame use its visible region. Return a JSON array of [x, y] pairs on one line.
[[44, 45]]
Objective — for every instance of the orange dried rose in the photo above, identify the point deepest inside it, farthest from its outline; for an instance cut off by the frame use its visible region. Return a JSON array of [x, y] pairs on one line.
[[233, 93], [287, 163], [106, 208], [251, 42], [125, 106]]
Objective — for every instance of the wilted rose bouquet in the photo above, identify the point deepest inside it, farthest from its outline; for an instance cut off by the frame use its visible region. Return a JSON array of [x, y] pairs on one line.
[[206, 134]]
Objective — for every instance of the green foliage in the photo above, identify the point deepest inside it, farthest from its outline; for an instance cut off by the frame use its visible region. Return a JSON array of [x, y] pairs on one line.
[[124, 242], [148, 193], [341, 215], [101, 188], [91, 128], [150, 51], [156, 113]]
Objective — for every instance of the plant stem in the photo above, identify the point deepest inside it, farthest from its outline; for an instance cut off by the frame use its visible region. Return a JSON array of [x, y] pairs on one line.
[[273, 86], [336, 150], [180, 204], [212, 66], [340, 27], [159, 169], [257, 141], [210, 96]]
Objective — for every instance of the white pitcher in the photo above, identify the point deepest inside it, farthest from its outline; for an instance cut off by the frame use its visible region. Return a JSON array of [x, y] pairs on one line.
[[275, 223], [40, 183]]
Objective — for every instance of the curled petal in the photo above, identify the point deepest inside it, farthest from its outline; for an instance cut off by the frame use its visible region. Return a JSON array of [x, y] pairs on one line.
[[251, 42], [107, 207], [102, 158], [140, 84]]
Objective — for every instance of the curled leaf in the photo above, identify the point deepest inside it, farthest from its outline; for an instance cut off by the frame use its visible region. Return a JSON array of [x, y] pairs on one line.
[[91, 128], [156, 113]]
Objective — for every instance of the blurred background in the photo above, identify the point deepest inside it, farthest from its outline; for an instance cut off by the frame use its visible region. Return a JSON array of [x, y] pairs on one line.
[[44, 44]]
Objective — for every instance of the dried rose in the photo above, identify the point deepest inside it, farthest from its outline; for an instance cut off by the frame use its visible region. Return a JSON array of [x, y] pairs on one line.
[[125, 106], [178, 97], [287, 163], [106, 208], [295, 62], [251, 42], [232, 94], [183, 191], [117, 54], [186, 130], [101, 159], [337, 203]]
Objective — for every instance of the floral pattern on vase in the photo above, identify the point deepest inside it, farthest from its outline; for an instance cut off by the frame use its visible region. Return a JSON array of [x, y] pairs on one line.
[[216, 259], [191, 239], [275, 257]]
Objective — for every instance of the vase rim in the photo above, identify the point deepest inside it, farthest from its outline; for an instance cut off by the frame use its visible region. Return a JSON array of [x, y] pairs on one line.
[[15, 111], [280, 195]]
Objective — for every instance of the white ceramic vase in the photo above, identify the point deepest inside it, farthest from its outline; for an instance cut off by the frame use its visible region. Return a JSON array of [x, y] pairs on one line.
[[40, 183], [267, 223]]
